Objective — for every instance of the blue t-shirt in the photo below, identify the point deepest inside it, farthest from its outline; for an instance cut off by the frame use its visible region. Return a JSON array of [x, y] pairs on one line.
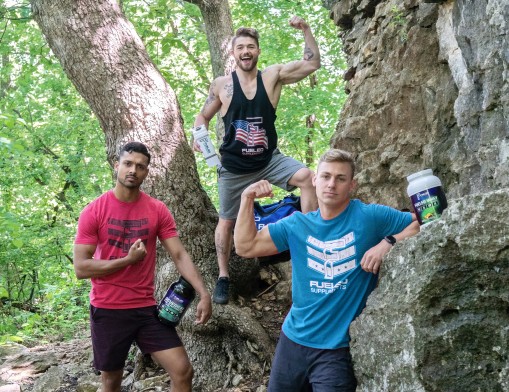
[[329, 287]]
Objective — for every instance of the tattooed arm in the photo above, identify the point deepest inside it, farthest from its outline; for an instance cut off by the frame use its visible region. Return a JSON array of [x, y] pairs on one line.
[[297, 70], [211, 106]]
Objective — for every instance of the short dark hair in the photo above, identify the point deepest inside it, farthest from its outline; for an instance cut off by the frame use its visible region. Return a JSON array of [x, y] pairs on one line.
[[337, 155], [246, 32], [134, 147]]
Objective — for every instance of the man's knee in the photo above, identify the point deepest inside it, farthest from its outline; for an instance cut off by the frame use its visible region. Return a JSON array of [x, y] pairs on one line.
[[225, 226], [183, 376], [303, 178], [111, 381]]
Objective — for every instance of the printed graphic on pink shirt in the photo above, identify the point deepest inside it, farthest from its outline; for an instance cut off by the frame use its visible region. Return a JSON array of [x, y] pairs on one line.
[[123, 233]]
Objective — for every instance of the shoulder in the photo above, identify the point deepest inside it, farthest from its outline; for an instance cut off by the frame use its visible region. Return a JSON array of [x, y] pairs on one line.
[[97, 203], [382, 211], [221, 81], [271, 72], [153, 202]]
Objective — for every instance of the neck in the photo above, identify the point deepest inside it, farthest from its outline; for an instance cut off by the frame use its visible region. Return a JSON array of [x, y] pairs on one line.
[[247, 75], [330, 212], [127, 195]]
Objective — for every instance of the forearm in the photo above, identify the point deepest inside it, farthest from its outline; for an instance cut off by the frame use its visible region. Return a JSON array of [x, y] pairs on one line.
[[93, 268], [311, 50], [201, 120], [409, 231], [190, 272], [245, 227]]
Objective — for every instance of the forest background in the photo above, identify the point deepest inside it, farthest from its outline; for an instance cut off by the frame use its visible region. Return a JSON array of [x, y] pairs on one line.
[[52, 149]]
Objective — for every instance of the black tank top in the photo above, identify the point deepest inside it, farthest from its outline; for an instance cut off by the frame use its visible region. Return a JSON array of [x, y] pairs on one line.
[[250, 134]]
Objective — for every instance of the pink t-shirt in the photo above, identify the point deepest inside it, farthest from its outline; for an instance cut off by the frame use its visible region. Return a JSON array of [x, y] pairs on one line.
[[114, 226]]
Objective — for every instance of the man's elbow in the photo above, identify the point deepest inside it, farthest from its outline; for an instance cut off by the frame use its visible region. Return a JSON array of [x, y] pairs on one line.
[[242, 250], [80, 273]]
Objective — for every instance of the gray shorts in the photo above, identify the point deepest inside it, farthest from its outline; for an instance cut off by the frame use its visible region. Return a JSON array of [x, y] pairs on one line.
[[278, 172]]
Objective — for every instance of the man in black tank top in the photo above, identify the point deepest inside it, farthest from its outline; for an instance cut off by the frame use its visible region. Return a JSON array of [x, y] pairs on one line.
[[247, 101]]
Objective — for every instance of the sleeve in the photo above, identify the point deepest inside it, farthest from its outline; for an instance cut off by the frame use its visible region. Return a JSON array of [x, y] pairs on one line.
[[167, 225], [279, 233], [391, 221], [87, 233]]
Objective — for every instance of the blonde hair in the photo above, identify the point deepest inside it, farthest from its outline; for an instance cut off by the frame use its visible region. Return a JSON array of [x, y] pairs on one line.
[[337, 155]]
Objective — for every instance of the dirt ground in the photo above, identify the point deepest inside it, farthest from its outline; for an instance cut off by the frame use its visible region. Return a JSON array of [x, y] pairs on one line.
[[267, 308]]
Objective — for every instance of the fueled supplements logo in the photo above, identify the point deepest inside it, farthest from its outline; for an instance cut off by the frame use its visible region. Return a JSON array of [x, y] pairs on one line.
[[252, 135], [329, 258]]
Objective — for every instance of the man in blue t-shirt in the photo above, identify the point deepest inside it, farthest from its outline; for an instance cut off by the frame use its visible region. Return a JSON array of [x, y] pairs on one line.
[[336, 254]]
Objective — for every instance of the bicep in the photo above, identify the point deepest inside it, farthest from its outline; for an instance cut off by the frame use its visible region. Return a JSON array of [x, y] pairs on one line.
[[212, 103], [295, 71], [83, 252], [174, 247], [263, 245]]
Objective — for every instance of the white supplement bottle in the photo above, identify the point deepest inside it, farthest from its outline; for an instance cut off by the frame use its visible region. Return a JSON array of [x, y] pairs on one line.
[[426, 195], [201, 136]]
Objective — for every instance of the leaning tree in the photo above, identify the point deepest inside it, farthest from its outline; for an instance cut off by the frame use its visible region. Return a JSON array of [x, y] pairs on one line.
[[106, 61]]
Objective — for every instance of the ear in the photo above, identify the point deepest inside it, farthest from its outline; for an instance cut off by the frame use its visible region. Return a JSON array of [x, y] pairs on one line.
[[353, 185], [313, 179]]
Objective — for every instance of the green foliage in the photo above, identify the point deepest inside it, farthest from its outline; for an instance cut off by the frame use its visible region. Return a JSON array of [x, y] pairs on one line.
[[53, 162], [399, 22], [52, 152]]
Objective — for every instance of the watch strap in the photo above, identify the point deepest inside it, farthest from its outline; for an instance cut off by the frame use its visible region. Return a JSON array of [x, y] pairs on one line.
[[390, 239]]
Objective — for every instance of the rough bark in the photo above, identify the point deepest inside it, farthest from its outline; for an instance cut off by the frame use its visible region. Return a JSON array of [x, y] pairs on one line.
[[219, 29], [105, 59]]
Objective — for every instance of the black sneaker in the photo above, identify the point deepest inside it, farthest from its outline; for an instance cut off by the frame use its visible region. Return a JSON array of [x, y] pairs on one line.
[[221, 291]]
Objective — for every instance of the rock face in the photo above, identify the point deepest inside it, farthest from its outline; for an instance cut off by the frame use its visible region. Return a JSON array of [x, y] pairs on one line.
[[428, 88], [439, 319]]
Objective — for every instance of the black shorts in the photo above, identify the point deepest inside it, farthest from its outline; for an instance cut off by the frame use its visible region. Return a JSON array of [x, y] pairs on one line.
[[297, 368], [114, 331]]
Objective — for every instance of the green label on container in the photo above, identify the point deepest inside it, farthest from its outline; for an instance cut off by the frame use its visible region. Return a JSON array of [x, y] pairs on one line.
[[429, 204]]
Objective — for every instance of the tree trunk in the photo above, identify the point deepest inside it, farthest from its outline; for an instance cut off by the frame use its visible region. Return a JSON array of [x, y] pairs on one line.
[[105, 59], [219, 29]]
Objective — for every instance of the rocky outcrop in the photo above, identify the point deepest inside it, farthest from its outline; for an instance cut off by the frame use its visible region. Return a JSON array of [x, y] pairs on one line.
[[439, 319], [428, 88]]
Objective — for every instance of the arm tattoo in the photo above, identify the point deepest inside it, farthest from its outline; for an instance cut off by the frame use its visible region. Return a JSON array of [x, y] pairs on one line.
[[308, 54], [211, 97], [229, 90]]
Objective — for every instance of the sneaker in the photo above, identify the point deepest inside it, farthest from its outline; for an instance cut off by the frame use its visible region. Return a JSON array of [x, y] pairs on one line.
[[221, 291]]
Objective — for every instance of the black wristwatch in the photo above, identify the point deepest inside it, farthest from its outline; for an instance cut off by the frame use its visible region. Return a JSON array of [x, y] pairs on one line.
[[390, 239]]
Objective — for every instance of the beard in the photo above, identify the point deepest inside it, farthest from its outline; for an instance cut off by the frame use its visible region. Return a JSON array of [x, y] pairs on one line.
[[250, 67]]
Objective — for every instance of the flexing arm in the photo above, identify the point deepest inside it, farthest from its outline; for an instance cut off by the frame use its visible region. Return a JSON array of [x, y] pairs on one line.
[[86, 267], [188, 270], [248, 241], [373, 257], [297, 70]]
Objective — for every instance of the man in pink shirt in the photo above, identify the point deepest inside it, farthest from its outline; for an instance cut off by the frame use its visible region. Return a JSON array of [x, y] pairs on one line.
[[115, 247]]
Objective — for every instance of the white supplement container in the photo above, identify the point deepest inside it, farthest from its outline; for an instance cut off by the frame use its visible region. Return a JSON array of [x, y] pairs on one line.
[[201, 136], [427, 196]]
